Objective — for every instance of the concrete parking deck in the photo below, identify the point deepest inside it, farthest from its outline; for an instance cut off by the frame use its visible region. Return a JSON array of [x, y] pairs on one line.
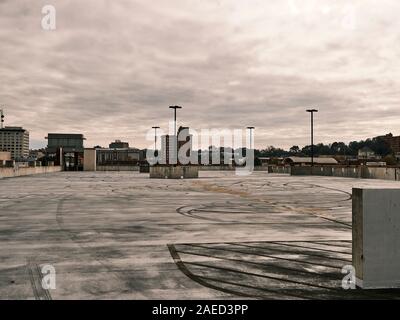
[[121, 235]]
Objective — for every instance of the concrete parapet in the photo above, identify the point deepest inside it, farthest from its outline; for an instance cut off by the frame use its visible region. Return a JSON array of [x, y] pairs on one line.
[[174, 172], [364, 172], [25, 171], [216, 168], [260, 168], [116, 168], [279, 169], [376, 237], [144, 169]]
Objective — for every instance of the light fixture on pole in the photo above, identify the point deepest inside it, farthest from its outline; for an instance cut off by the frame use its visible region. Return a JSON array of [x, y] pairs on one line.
[[311, 111], [251, 134], [1, 118], [155, 139]]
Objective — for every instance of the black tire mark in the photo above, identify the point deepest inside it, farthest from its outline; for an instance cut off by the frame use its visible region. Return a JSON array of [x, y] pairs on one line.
[[35, 277]]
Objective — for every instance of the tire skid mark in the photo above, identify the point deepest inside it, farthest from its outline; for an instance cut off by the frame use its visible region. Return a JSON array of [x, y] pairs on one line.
[[35, 277]]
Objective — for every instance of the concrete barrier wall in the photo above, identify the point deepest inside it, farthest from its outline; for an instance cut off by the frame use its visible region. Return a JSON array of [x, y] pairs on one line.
[[200, 168], [171, 172], [117, 168], [363, 172], [216, 168], [279, 169], [261, 168], [380, 173], [227, 168], [26, 171]]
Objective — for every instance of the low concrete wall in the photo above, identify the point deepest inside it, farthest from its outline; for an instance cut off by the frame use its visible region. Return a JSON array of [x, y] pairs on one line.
[[279, 169], [171, 172], [216, 168], [229, 168], [260, 168], [380, 173], [26, 171], [117, 168], [376, 237], [363, 172]]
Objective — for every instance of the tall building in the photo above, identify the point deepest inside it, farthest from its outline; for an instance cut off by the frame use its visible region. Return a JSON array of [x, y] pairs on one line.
[[168, 146], [16, 141], [168, 149]]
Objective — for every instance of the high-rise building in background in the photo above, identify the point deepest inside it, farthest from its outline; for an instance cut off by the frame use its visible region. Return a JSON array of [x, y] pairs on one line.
[[168, 149], [169, 146], [16, 141]]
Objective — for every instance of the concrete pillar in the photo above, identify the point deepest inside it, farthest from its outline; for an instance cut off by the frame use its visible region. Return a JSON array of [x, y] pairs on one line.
[[89, 160], [376, 237]]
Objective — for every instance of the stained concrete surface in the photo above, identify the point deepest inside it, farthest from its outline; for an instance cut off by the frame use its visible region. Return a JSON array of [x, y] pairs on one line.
[[121, 235]]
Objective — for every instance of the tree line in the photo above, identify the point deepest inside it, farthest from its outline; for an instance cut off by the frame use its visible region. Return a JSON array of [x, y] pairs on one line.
[[377, 144]]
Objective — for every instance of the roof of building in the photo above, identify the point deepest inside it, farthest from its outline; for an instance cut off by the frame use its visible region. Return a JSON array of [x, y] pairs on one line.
[[116, 149], [65, 136], [308, 160], [19, 129]]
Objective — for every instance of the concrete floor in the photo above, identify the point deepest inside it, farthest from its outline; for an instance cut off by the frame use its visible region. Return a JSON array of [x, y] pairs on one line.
[[124, 236]]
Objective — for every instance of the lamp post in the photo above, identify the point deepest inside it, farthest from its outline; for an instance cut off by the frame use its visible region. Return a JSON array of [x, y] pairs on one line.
[[251, 133], [176, 142], [1, 118], [251, 142], [155, 139], [311, 111]]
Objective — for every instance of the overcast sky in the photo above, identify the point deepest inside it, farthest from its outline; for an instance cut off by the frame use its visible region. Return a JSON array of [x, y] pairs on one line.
[[111, 68]]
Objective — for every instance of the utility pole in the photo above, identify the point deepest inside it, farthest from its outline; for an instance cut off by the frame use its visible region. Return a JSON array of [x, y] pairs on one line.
[[311, 111], [176, 137]]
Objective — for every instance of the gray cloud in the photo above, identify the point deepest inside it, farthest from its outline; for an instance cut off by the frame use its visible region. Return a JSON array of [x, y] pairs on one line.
[[111, 68]]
